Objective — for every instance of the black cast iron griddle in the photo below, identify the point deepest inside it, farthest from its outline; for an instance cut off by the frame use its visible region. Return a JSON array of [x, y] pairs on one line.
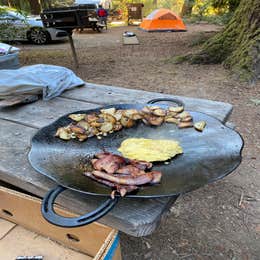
[[207, 156]]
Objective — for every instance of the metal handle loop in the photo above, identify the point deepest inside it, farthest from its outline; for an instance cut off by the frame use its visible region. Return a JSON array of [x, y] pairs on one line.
[[176, 101], [51, 216]]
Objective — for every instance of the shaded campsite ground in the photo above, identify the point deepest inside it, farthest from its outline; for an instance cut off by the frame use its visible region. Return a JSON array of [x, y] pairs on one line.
[[221, 220]]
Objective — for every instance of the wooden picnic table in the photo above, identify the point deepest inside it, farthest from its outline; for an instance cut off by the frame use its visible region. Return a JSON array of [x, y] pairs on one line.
[[137, 217]]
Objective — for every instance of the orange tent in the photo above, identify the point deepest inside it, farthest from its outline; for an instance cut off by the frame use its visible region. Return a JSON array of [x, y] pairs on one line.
[[162, 20]]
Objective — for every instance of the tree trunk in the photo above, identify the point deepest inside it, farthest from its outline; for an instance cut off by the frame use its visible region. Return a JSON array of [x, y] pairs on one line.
[[35, 6], [238, 45], [187, 7]]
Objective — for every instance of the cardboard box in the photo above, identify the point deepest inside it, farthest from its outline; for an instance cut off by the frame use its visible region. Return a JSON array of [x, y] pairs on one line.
[[22, 212]]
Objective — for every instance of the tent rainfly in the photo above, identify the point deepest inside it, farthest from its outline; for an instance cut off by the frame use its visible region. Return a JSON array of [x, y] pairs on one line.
[[162, 20]]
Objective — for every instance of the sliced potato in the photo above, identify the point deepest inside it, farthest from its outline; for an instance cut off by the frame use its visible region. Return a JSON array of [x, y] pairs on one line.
[[176, 109], [200, 125], [109, 118], [172, 120], [77, 129], [95, 124], [106, 127], [136, 116], [186, 119], [77, 117], [83, 124], [82, 137], [117, 127], [93, 131], [154, 120], [110, 111], [183, 115], [146, 110], [185, 124], [171, 114], [127, 122], [118, 115], [130, 112], [159, 112], [91, 117], [63, 133]]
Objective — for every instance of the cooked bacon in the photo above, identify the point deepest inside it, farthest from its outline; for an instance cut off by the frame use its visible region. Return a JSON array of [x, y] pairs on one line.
[[156, 176], [109, 163], [142, 165], [121, 174], [122, 189], [125, 180], [130, 170]]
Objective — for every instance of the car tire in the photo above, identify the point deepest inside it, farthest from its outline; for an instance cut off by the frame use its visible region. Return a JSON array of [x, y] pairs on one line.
[[38, 36]]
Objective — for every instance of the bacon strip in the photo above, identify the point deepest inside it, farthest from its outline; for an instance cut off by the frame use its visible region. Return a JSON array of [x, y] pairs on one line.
[[109, 163], [125, 180], [156, 176], [121, 174], [119, 188]]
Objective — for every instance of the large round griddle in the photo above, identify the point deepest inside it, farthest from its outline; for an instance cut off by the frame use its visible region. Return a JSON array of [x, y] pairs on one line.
[[207, 156]]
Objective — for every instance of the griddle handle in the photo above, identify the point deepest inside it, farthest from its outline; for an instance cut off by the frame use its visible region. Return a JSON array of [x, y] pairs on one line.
[[174, 100], [51, 216]]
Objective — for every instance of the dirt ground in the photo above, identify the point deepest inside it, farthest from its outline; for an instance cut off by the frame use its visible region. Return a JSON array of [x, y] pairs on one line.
[[221, 220]]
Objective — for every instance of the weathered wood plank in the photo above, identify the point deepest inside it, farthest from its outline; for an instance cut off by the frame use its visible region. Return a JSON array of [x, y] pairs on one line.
[[102, 94], [137, 217], [42, 113]]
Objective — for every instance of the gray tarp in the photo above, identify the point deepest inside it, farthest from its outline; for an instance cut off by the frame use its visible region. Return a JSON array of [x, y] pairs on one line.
[[49, 80]]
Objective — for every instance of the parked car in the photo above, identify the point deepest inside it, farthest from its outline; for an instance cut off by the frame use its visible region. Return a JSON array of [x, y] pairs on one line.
[[15, 26]]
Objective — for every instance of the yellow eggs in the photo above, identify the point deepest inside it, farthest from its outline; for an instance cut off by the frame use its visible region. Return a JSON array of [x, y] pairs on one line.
[[149, 150]]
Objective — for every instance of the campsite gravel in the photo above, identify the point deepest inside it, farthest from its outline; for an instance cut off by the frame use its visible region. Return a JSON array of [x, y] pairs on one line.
[[221, 220]]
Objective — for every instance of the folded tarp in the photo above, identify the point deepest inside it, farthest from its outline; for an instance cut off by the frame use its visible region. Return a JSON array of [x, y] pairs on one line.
[[48, 80]]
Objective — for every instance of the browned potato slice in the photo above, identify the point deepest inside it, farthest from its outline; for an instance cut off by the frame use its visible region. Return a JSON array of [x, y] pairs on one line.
[[159, 112], [63, 133], [91, 117], [185, 124], [136, 116], [118, 115], [93, 131], [129, 112], [176, 109], [154, 120], [77, 129], [183, 115], [106, 127], [186, 119], [118, 126], [77, 117], [200, 126], [82, 137], [95, 124], [83, 124], [127, 122], [109, 118], [110, 111], [146, 110], [171, 114], [172, 120]]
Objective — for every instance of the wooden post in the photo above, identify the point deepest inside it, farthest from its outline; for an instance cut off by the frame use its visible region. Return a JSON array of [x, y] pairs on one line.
[[74, 54]]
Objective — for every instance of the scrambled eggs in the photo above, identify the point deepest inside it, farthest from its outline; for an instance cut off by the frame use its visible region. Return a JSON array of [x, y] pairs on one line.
[[149, 150]]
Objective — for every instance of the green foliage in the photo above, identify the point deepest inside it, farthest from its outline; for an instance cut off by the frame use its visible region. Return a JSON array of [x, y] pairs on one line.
[[231, 5], [8, 32]]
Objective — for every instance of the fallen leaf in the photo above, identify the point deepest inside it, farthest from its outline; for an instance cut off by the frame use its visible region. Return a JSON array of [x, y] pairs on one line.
[[255, 101], [257, 229]]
